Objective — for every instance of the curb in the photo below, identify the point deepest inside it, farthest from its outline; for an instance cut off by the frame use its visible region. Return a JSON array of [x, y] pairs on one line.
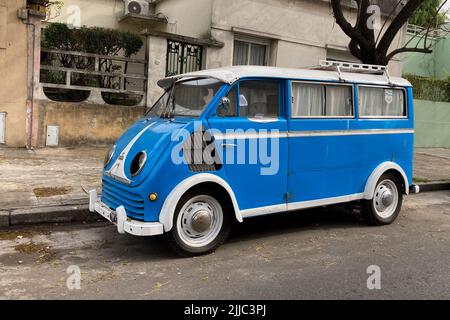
[[434, 186], [50, 214]]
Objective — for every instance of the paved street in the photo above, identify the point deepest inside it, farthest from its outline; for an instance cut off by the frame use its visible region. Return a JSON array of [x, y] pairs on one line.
[[320, 253]]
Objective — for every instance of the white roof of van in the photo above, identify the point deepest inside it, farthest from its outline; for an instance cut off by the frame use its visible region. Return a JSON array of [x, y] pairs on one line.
[[232, 74]]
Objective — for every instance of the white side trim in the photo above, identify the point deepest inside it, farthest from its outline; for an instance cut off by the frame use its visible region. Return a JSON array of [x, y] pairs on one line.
[[118, 168], [324, 202], [364, 132], [170, 204], [301, 134], [376, 175], [263, 210], [299, 205]]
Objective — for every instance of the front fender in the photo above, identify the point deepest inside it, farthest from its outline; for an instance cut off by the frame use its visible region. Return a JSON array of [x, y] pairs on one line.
[[171, 202]]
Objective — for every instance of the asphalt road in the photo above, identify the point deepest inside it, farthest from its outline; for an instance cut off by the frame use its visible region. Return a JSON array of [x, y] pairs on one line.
[[314, 254]]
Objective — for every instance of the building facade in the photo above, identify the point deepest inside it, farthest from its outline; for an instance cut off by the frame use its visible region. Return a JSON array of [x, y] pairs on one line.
[[13, 71], [192, 34], [188, 35]]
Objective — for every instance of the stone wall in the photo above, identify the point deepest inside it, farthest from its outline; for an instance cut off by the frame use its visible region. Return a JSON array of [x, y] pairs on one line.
[[81, 123]]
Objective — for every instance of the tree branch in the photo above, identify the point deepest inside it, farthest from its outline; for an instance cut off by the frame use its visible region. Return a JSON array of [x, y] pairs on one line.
[[396, 25], [387, 19], [351, 32], [401, 50]]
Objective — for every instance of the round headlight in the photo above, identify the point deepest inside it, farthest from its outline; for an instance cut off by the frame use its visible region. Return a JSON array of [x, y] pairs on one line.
[[138, 163], [110, 155]]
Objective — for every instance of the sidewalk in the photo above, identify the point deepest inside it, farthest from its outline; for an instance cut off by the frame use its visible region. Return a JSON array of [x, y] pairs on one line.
[[46, 185]]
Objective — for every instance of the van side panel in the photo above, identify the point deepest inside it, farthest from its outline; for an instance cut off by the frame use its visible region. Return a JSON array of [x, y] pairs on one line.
[[339, 164]]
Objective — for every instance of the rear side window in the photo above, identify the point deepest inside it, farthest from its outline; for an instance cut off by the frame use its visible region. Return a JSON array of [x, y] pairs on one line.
[[259, 99], [311, 100], [376, 102]]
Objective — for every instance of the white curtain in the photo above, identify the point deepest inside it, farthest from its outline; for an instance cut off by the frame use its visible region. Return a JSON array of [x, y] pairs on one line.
[[396, 108], [246, 53], [240, 53], [338, 101], [308, 100], [381, 102], [257, 55]]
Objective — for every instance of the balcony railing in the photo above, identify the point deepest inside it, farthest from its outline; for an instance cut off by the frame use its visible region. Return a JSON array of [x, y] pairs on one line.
[[420, 31], [66, 72]]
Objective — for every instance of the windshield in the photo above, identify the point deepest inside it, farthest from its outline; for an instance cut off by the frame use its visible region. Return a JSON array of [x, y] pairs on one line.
[[186, 99]]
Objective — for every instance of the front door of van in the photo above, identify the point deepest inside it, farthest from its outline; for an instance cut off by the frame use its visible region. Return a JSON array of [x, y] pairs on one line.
[[250, 134]]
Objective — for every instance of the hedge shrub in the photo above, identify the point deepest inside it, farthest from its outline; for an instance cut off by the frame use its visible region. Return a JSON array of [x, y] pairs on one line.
[[430, 88]]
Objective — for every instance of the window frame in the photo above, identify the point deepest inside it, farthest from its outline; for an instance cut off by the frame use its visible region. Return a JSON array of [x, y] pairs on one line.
[[292, 82], [405, 103], [249, 41], [237, 86]]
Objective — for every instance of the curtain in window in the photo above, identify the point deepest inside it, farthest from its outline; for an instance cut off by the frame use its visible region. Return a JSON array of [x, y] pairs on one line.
[[396, 107], [240, 53], [381, 102], [338, 101], [308, 100], [257, 55]]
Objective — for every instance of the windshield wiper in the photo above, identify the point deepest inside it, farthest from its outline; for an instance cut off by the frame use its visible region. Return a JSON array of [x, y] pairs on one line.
[[170, 100]]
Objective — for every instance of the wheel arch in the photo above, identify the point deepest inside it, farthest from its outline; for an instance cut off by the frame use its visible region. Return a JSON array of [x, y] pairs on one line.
[[385, 167], [171, 202]]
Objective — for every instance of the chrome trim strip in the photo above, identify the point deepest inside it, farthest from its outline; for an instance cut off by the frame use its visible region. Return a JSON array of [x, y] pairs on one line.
[[255, 212], [332, 133], [300, 134]]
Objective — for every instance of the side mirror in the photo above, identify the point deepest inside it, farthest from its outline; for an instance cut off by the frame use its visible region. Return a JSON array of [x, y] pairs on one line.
[[224, 106], [225, 103], [243, 101]]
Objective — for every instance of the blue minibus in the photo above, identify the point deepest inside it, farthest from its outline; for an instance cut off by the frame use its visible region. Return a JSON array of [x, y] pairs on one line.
[[228, 144]]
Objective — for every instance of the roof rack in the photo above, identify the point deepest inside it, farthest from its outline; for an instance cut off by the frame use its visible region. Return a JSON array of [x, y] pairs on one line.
[[354, 67]]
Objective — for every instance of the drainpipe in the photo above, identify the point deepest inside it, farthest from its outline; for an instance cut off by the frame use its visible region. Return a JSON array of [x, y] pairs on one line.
[[32, 19]]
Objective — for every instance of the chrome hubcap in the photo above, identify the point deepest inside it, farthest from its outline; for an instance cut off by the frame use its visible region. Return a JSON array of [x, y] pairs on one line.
[[200, 221], [386, 199]]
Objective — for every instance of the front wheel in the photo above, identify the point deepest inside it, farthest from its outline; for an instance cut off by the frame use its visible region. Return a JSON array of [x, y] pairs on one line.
[[200, 224], [386, 204]]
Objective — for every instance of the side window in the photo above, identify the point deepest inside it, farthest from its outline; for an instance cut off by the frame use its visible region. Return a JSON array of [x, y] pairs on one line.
[[321, 100], [381, 102], [259, 99], [229, 110]]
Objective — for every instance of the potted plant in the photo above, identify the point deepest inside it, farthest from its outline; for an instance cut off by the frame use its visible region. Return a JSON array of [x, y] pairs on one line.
[[39, 5]]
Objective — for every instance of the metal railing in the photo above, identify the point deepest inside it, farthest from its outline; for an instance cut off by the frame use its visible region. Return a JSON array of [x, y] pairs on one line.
[[432, 33], [86, 72]]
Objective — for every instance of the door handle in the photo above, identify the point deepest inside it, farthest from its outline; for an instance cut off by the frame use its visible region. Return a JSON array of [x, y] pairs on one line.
[[229, 145]]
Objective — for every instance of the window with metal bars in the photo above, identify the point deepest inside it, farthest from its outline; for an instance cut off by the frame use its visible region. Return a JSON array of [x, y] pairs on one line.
[[183, 57]]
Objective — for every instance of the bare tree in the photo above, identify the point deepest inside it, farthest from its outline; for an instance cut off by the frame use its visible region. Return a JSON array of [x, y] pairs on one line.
[[374, 49]]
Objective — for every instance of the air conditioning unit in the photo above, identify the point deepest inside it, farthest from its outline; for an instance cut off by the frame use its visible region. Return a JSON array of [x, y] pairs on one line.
[[140, 7]]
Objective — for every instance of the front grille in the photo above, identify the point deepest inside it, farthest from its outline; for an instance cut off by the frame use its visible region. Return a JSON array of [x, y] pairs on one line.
[[115, 197]]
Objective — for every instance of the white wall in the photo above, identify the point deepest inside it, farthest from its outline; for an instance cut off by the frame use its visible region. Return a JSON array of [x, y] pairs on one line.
[[300, 30]]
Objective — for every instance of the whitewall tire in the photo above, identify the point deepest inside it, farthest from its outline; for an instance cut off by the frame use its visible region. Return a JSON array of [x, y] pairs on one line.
[[387, 201], [200, 224]]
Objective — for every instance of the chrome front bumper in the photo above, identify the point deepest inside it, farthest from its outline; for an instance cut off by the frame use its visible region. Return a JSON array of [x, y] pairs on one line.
[[120, 219]]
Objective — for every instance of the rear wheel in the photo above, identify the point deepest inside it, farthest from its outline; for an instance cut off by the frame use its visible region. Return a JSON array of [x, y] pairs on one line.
[[200, 224], [386, 204]]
